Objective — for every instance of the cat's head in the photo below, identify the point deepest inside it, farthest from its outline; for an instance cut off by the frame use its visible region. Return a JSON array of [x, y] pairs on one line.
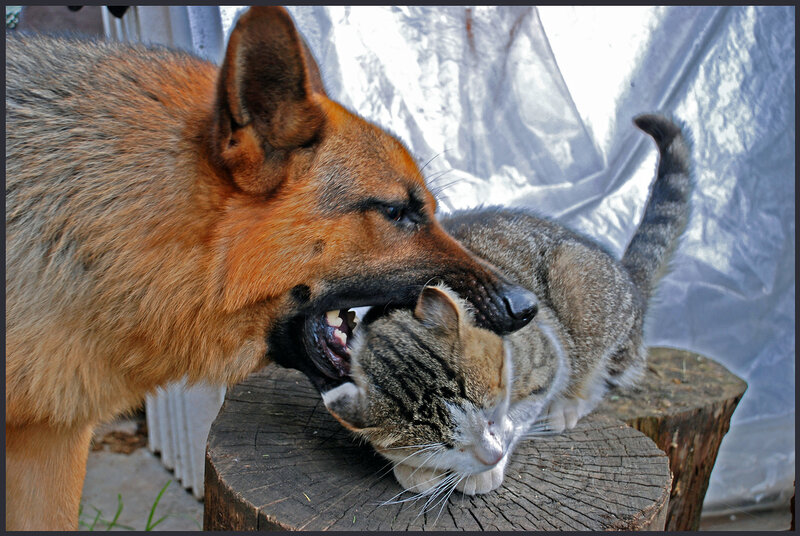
[[429, 388]]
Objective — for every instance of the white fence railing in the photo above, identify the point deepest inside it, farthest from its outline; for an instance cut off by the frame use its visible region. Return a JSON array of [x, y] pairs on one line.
[[178, 420]]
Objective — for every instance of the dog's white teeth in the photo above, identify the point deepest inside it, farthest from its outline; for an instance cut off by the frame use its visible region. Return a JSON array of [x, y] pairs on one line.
[[333, 318], [341, 336]]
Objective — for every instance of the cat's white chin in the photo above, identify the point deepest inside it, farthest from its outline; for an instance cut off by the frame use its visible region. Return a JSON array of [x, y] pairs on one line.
[[424, 480], [418, 479]]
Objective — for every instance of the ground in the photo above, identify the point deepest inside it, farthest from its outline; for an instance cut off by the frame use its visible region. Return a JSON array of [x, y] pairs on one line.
[[121, 469]]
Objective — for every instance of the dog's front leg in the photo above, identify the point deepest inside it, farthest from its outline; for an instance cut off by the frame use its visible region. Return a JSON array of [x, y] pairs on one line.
[[45, 468]]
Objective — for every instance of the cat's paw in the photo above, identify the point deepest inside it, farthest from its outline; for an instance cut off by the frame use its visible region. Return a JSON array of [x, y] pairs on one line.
[[418, 479], [564, 414], [483, 482]]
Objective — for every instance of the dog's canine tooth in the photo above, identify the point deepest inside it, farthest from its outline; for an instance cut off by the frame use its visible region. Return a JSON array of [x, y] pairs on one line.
[[333, 318]]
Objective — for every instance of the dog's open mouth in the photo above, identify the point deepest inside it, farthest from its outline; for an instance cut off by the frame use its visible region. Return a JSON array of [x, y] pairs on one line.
[[332, 335], [319, 344]]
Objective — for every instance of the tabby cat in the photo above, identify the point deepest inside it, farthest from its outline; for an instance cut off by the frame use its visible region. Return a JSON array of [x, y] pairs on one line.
[[448, 401]]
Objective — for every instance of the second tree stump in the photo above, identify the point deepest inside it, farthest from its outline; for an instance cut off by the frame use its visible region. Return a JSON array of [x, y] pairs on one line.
[[684, 404]]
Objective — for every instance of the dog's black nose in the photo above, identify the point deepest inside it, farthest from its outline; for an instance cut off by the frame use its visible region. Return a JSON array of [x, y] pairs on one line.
[[521, 304]]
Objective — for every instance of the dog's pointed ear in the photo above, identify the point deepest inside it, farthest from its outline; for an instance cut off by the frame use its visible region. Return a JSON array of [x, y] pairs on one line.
[[265, 107], [437, 309], [314, 76]]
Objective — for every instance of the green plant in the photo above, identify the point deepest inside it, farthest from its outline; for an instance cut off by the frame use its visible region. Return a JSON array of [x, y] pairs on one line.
[[153, 508], [150, 525], [98, 519]]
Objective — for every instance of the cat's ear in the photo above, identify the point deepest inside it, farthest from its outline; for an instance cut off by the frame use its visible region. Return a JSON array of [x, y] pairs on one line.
[[437, 309], [347, 404]]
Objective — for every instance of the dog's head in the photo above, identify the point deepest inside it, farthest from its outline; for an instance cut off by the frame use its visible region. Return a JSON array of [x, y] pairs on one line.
[[325, 211]]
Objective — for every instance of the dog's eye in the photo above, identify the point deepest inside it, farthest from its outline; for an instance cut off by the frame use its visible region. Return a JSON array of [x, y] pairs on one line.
[[399, 214], [393, 212]]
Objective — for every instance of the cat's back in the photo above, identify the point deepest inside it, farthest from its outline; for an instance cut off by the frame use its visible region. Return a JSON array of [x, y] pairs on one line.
[[518, 241]]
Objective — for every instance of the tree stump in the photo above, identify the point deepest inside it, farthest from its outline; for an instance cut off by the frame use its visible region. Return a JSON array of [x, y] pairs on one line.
[[277, 460], [684, 403]]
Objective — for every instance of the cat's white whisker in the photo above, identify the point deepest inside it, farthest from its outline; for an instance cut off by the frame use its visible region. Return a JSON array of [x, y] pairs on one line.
[[413, 498], [538, 429], [423, 445], [436, 493], [446, 498], [391, 464], [395, 500], [417, 496], [425, 463], [539, 435], [432, 447], [385, 469], [445, 488], [542, 427]]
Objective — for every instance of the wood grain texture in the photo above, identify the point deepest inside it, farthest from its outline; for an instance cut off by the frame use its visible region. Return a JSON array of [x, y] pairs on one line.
[[684, 403], [277, 460]]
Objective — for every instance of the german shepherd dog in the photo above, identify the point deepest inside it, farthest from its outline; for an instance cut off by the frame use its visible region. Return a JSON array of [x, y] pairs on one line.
[[166, 218]]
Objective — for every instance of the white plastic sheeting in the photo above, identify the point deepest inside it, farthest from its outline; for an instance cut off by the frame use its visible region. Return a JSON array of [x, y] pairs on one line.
[[527, 107]]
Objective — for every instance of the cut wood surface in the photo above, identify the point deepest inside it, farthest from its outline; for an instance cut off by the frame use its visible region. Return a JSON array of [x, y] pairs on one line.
[[277, 460], [684, 404]]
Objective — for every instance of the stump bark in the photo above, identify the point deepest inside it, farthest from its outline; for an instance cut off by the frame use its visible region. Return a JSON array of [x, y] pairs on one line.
[[276, 460], [684, 404]]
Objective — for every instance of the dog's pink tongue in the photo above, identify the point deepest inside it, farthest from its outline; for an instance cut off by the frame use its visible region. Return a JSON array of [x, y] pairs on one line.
[[339, 359], [339, 326]]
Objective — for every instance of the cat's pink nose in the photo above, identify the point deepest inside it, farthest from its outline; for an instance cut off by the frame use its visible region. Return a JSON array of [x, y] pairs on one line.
[[489, 451], [490, 458]]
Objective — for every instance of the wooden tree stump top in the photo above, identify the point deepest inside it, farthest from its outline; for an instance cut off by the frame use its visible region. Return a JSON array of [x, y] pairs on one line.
[[277, 460], [676, 381]]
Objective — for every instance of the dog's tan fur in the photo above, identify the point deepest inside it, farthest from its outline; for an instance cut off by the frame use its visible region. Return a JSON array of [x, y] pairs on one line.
[[160, 211]]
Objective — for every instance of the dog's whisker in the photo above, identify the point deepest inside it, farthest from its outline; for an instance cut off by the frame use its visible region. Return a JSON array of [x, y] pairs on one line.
[[438, 189], [431, 159]]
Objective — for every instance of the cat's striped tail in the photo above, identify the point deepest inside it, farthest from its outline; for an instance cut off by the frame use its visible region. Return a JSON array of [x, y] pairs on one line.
[[667, 211]]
